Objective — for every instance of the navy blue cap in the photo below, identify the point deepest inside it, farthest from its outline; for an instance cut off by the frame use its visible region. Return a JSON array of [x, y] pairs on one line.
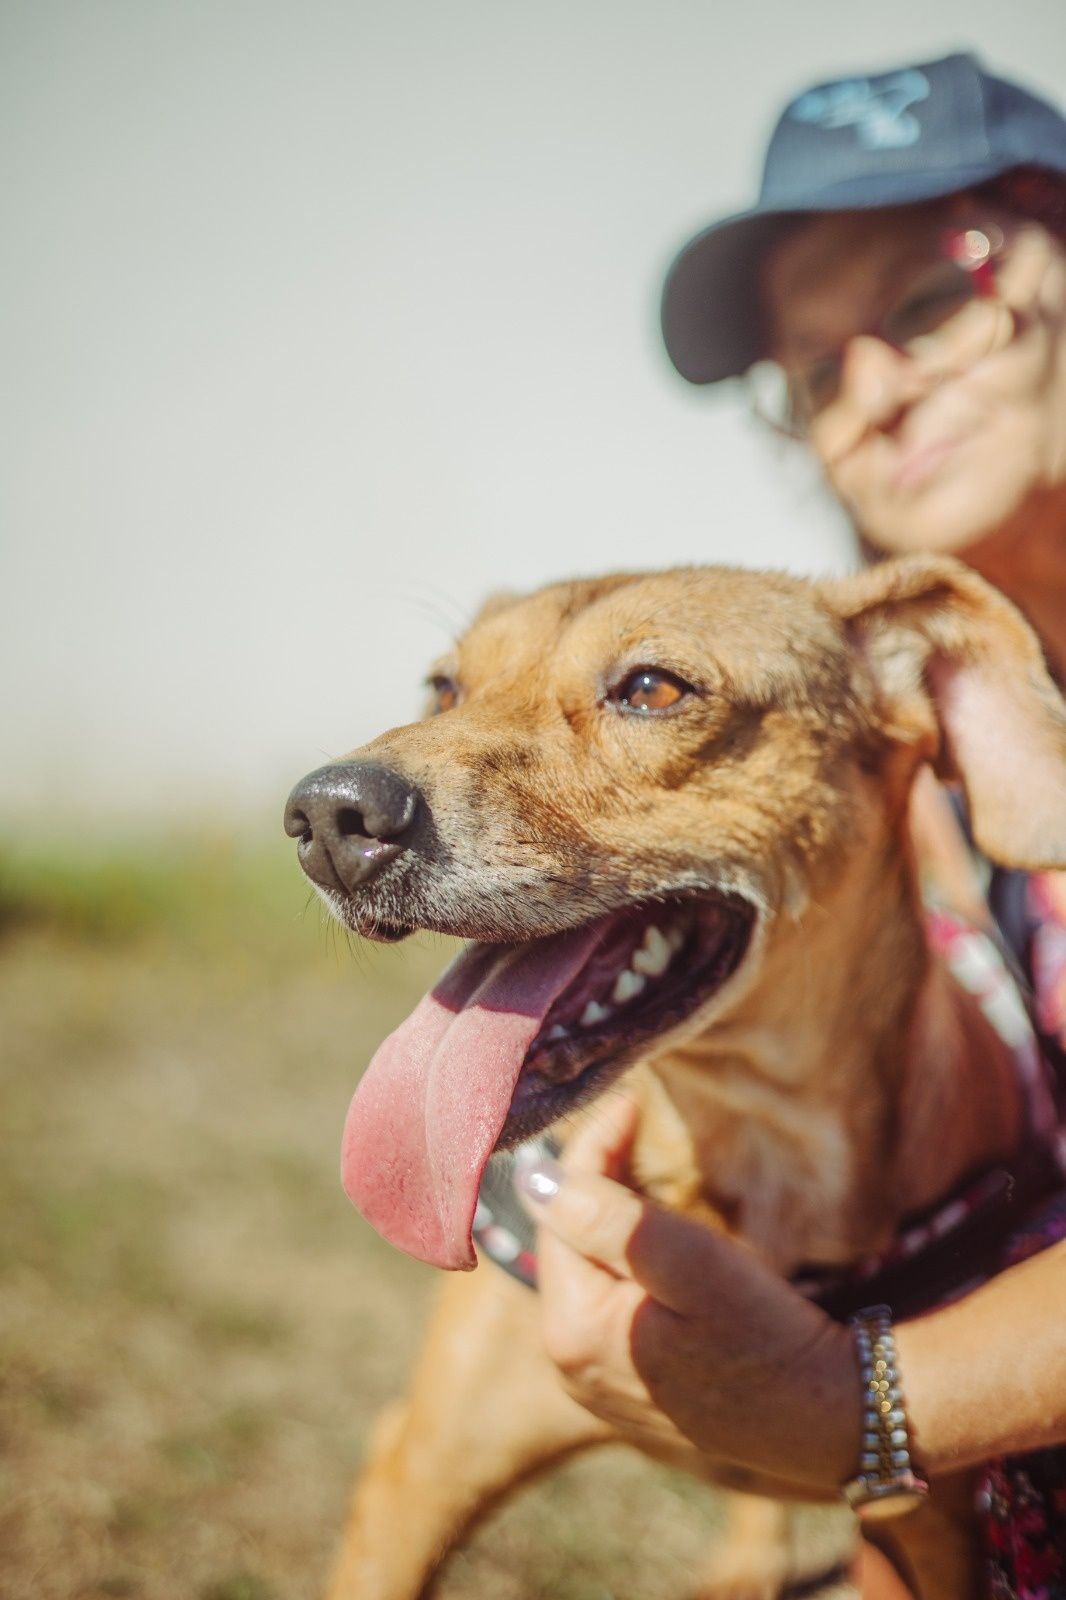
[[850, 144]]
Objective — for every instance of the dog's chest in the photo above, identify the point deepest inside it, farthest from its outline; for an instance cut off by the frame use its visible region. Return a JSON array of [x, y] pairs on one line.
[[776, 1171]]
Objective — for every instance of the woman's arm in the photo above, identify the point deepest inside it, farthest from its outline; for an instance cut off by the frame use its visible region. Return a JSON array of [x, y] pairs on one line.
[[987, 1375], [684, 1341]]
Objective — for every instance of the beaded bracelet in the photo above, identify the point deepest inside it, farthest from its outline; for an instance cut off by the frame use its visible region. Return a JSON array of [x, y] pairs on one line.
[[886, 1483]]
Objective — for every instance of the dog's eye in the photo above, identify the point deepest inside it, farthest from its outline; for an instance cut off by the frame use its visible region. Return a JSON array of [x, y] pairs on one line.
[[444, 695], [649, 689]]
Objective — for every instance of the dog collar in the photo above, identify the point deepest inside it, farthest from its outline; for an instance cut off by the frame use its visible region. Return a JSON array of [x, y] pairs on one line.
[[502, 1230], [945, 1252]]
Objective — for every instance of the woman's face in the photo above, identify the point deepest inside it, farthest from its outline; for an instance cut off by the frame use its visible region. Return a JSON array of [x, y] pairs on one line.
[[926, 454]]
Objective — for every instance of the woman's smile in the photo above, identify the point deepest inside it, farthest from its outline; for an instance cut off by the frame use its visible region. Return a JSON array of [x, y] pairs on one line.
[[920, 462]]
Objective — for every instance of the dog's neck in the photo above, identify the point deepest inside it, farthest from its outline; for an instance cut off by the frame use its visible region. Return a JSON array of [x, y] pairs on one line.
[[854, 1083]]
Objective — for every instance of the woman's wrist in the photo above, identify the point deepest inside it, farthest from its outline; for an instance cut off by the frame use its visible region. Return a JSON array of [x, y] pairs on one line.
[[985, 1376], [981, 1377], [943, 1424], [887, 1481]]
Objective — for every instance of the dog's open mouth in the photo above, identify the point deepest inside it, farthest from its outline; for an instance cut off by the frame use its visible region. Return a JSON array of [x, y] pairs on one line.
[[512, 1038], [658, 963]]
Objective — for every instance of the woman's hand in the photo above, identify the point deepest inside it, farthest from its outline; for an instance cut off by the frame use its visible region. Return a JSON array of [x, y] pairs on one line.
[[680, 1337]]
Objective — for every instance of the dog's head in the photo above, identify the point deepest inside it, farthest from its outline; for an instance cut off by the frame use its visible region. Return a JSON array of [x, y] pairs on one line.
[[623, 790]]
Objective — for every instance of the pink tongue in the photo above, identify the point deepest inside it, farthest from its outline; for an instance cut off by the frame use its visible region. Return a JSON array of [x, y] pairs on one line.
[[433, 1101]]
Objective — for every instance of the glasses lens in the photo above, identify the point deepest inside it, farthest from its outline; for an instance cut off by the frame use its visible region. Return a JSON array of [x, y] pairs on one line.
[[774, 399], [948, 317], [943, 318], [816, 386]]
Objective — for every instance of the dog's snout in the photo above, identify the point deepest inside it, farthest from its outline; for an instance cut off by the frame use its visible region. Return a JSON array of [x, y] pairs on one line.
[[350, 819]]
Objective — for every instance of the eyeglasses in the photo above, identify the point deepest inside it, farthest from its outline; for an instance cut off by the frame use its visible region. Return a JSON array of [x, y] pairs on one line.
[[948, 316]]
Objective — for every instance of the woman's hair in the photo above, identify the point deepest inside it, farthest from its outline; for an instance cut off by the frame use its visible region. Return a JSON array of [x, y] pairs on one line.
[[1032, 193]]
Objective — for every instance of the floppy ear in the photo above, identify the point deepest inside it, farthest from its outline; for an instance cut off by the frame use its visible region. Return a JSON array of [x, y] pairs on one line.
[[961, 675]]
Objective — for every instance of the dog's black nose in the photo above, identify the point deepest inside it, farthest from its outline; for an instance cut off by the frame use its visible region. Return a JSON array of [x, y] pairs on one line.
[[351, 819]]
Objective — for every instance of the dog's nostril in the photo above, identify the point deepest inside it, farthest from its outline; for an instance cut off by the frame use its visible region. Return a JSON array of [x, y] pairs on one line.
[[350, 821], [297, 823]]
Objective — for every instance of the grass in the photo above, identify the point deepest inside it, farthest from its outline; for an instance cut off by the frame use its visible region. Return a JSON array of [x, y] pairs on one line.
[[198, 1330], [204, 895]]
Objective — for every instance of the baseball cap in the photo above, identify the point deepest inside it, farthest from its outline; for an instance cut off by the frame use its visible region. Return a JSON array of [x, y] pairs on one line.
[[846, 145]]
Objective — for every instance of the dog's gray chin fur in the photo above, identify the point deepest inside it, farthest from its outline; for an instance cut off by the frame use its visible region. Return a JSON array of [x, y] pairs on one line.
[[505, 912]]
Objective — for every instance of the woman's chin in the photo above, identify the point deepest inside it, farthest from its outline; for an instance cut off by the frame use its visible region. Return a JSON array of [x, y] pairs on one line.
[[944, 501], [944, 515]]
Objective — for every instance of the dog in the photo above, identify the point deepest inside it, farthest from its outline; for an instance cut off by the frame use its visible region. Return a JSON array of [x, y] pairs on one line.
[[671, 813]]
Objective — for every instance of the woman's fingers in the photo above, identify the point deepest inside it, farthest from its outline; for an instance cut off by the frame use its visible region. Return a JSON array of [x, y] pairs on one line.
[[603, 1142], [593, 1215], [606, 1223], [586, 1311], [612, 1233], [668, 1330], [611, 1228]]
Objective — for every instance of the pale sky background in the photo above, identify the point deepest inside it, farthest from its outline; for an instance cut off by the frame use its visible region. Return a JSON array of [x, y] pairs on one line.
[[320, 320]]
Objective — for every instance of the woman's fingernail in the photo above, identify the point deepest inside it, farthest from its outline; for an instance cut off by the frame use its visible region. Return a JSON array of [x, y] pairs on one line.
[[539, 1180]]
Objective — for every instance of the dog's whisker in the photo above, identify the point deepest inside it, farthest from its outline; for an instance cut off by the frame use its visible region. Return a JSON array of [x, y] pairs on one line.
[[449, 613]]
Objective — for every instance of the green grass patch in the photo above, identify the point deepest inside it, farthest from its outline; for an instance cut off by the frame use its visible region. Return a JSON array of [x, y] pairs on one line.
[[117, 1585], [240, 904], [215, 1451], [241, 1586], [135, 1515], [205, 892], [105, 1234], [230, 1324]]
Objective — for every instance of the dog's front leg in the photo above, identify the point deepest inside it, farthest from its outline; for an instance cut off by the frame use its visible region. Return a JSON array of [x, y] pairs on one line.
[[753, 1559], [485, 1411]]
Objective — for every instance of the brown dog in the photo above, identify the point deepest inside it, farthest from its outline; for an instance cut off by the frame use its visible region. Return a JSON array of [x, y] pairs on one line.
[[709, 770]]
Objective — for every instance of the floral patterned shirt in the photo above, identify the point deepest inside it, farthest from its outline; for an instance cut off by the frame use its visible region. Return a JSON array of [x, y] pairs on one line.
[[1022, 1499]]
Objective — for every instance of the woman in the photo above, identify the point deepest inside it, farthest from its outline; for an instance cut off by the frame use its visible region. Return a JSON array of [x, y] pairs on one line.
[[898, 297]]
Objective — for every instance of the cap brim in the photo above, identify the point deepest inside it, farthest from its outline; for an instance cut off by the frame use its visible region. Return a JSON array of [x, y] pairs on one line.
[[710, 305]]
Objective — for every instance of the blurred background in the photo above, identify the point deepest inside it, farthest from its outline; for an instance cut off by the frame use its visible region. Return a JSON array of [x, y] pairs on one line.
[[319, 321]]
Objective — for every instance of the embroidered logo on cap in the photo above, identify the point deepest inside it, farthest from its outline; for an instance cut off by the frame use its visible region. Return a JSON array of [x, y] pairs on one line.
[[877, 108]]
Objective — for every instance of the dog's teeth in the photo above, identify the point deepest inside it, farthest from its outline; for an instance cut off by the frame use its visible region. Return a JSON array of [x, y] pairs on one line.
[[653, 957], [627, 984], [675, 939], [594, 1013], [558, 1032]]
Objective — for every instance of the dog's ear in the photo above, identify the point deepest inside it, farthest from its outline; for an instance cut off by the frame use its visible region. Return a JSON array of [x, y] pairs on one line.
[[960, 675]]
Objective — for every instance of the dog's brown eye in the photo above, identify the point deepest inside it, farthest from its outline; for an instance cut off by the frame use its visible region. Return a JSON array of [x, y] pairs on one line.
[[650, 689], [445, 695]]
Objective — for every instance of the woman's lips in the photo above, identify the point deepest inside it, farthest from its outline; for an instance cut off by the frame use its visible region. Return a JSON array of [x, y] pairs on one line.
[[918, 463]]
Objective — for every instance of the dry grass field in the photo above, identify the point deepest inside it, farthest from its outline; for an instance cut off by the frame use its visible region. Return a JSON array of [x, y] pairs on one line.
[[195, 1327]]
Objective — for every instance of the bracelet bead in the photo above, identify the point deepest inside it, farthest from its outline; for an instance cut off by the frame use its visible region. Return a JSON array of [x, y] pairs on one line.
[[887, 1483]]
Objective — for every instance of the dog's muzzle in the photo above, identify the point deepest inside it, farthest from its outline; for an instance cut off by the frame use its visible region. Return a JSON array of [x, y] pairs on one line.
[[351, 819]]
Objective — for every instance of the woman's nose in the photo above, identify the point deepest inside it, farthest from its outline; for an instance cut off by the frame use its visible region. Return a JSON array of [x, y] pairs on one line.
[[879, 382]]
